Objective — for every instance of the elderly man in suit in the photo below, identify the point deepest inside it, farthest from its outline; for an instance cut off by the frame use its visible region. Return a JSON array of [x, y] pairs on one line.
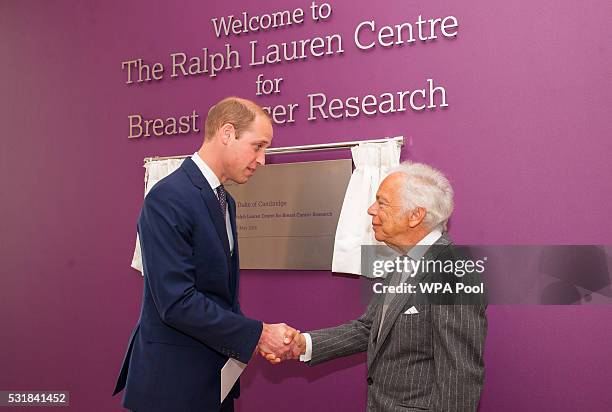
[[190, 321], [420, 356]]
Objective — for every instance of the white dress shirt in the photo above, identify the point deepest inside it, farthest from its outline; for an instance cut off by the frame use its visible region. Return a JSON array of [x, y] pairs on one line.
[[416, 253], [214, 183]]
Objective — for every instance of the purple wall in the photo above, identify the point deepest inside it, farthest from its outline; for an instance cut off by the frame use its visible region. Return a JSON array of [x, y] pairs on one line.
[[525, 141]]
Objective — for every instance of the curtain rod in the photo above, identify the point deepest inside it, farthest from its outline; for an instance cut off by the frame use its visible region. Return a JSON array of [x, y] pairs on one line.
[[301, 149]]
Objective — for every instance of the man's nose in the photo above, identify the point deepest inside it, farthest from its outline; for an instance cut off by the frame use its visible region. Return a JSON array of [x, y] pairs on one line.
[[372, 209], [261, 158]]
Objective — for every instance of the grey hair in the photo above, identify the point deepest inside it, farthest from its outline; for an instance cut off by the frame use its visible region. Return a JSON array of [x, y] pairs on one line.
[[428, 188]]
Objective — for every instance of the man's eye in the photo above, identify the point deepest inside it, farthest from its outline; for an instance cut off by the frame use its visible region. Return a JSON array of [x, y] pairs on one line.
[[258, 147]]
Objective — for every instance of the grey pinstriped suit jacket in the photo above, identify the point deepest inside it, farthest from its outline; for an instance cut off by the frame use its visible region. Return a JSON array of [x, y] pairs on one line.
[[431, 360]]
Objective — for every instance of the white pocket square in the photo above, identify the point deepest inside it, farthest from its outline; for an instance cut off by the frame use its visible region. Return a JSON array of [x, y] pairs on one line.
[[412, 311]]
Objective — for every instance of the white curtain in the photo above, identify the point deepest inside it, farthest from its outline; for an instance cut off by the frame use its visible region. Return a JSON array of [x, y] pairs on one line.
[[155, 171], [372, 162]]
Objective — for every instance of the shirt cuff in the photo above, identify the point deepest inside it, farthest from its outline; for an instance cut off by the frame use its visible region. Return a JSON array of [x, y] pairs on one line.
[[306, 357]]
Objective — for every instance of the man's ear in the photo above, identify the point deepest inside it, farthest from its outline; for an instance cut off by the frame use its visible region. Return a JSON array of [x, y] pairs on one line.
[[227, 132], [416, 216]]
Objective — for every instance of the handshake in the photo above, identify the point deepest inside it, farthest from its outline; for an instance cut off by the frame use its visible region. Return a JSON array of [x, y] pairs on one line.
[[279, 342]]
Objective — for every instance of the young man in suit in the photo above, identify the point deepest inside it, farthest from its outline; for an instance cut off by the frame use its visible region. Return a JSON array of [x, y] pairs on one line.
[[191, 322]]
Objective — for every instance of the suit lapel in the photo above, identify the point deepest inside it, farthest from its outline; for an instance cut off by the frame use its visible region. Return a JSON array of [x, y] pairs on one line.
[[373, 330], [234, 269], [395, 308], [212, 203], [399, 302], [210, 199]]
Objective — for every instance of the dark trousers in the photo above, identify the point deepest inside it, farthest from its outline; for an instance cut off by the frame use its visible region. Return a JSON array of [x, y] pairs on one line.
[[226, 406]]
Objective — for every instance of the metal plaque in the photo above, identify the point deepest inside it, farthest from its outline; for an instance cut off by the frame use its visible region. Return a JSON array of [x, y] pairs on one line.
[[287, 214]]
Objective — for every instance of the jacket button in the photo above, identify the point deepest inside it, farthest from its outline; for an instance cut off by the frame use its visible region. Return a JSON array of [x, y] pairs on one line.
[[370, 381]]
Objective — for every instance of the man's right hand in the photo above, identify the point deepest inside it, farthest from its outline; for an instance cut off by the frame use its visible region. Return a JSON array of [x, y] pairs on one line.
[[275, 342], [298, 347]]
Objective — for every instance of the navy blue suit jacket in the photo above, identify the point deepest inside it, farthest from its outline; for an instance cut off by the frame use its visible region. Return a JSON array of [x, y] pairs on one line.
[[190, 322]]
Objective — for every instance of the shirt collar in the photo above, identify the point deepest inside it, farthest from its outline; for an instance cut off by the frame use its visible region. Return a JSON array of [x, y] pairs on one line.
[[418, 250], [209, 175]]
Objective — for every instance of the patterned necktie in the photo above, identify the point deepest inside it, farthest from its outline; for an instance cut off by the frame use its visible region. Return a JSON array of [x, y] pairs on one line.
[[396, 279], [222, 195]]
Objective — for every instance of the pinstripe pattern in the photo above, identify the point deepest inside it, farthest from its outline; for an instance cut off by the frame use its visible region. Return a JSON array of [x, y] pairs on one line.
[[431, 360]]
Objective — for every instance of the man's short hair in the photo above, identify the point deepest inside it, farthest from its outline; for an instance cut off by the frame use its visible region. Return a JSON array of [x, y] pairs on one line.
[[234, 110], [428, 188]]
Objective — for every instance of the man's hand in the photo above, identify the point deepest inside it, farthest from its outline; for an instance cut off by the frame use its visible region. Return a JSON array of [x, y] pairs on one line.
[[297, 348], [275, 342]]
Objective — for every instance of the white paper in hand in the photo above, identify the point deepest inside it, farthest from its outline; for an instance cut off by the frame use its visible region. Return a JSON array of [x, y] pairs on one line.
[[230, 373]]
